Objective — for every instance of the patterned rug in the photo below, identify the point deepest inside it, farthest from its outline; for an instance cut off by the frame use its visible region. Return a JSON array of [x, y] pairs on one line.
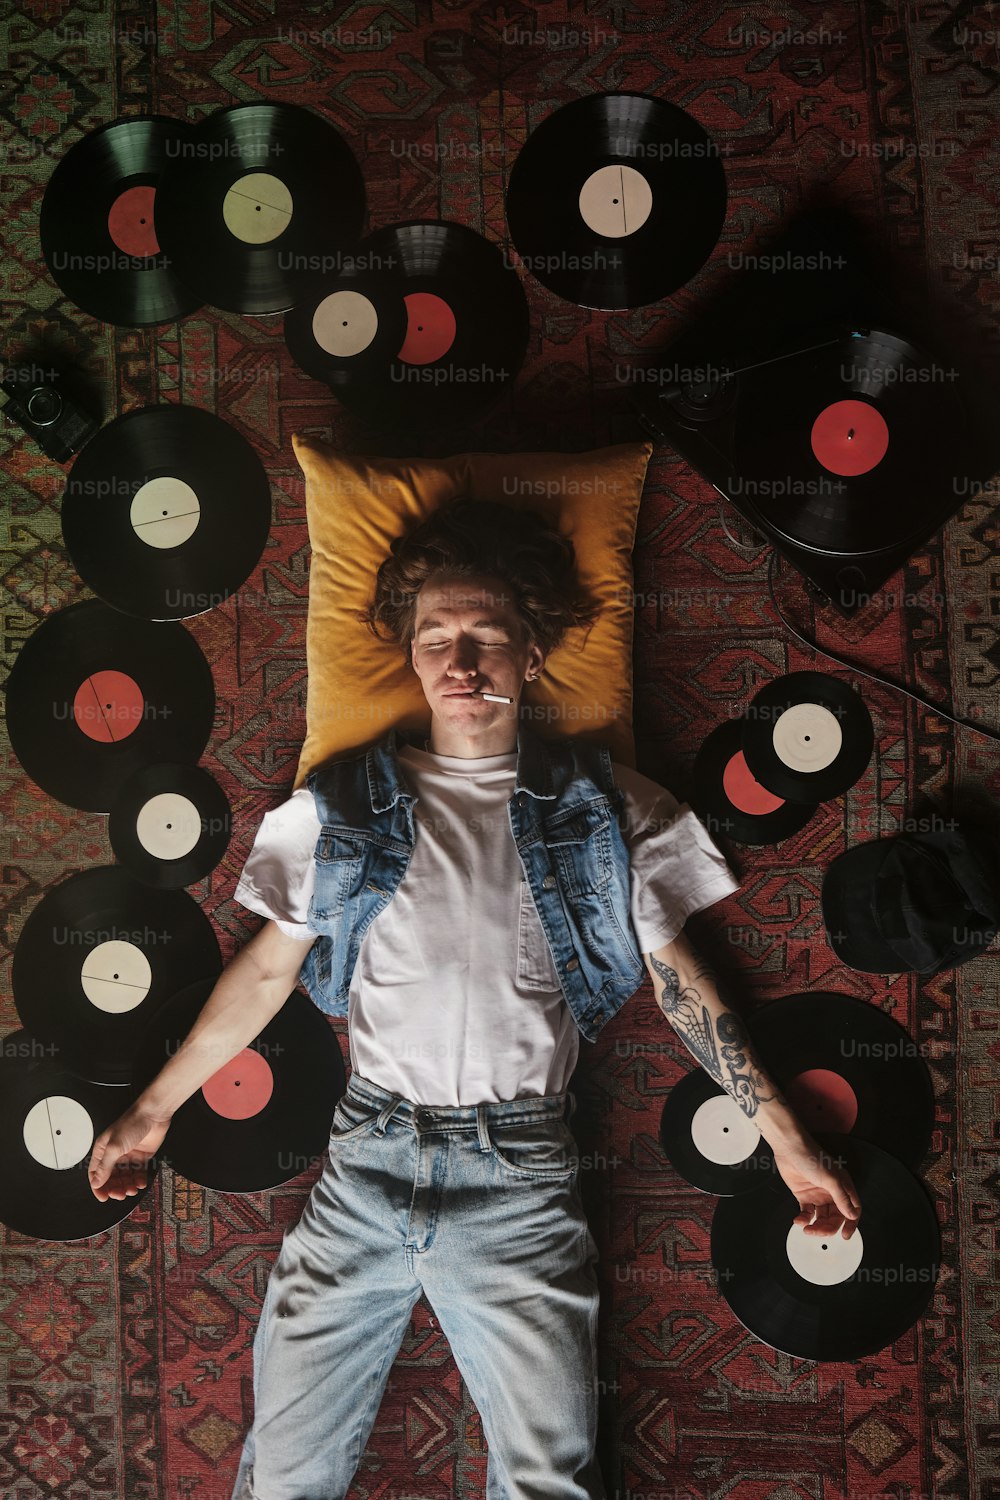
[[126, 1359]]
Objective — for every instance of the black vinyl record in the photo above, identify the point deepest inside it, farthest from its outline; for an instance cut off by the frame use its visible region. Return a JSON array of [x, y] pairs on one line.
[[49, 1120], [96, 223], [851, 447], [616, 200], [267, 198], [354, 326], [848, 1069], [466, 327], [821, 1297], [264, 1116], [97, 957], [710, 1141], [731, 801], [807, 737], [166, 512], [170, 825], [94, 696]]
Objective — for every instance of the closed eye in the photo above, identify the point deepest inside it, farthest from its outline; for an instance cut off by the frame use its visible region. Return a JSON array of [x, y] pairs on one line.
[[433, 645]]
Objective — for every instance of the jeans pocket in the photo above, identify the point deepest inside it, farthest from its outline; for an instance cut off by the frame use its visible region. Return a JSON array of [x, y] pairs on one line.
[[543, 1149], [352, 1117]]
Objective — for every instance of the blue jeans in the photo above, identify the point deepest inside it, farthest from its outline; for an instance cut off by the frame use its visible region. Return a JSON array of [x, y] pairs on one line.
[[478, 1207]]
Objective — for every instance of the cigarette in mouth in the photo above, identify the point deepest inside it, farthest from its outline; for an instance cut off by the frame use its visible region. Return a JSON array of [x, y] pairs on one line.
[[494, 697]]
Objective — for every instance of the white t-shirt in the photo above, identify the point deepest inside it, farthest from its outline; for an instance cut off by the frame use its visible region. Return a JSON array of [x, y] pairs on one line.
[[455, 998]]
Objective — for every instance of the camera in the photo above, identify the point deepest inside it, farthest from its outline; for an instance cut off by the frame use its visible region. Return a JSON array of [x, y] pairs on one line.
[[38, 400]]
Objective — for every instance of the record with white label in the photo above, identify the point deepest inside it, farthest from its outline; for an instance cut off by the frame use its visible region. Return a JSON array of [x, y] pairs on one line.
[[49, 1121], [807, 737], [823, 1297], [94, 696], [710, 1141], [166, 512], [96, 222], [95, 960], [266, 197], [354, 326], [466, 328], [264, 1116], [170, 825], [616, 200]]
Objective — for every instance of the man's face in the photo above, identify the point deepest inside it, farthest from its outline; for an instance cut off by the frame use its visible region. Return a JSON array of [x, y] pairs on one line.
[[468, 634]]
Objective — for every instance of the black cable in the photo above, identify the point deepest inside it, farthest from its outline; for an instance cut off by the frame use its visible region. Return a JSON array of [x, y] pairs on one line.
[[853, 666]]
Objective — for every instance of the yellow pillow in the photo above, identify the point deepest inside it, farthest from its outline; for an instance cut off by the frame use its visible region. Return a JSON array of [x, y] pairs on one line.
[[360, 686]]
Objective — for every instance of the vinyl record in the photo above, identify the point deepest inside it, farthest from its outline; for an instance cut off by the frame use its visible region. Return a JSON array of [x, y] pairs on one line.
[[729, 799], [94, 696], [847, 1068], [807, 737], [170, 825], [264, 1116], [710, 1141], [616, 200], [354, 326], [822, 1297], [96, 223], [95, 960], [268, 198], [49, 1120], [466, 327], [166, 512], [851, 447]]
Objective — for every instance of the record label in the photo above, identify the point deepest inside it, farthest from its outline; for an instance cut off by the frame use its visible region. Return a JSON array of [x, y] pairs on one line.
[[130, 222], [615, 201], [850, 437]]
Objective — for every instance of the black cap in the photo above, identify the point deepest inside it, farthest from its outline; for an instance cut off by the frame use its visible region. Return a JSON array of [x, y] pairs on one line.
[[923, 901]]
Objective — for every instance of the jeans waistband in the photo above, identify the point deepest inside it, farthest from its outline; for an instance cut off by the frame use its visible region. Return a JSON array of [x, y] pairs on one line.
[[539, 1107]]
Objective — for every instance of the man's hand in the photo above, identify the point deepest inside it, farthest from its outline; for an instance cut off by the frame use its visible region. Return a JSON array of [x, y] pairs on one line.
[[826, 1194], [120, 1159]]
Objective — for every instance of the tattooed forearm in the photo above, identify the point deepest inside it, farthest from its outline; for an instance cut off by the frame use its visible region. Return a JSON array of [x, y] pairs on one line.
[[721, 1046]]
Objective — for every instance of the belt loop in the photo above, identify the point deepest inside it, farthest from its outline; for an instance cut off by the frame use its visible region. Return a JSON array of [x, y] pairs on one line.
[[485, 1144], [386, 1114], [571, 1099]]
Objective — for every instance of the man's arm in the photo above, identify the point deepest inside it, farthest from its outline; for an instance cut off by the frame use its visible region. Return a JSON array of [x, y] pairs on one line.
[[686, 991]]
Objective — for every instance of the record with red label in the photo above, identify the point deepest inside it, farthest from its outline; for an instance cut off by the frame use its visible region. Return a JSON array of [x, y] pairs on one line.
[[466, 327], [264, 1116], [266, 197], [807, 737], [354, 326], [166, 512], [170, 825], [731, 801], [823, 1297], [851, 447], [710, 1140], [94, 696], [616, 200], [97, 957], [97, 228], [49, 1121], [846, 1067]]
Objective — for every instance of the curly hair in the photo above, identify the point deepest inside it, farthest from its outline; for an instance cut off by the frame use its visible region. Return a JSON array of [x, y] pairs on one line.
[[464, 537]]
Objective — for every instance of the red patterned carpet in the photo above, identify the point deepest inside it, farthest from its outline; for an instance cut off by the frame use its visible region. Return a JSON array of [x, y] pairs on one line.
[[126, 1359]]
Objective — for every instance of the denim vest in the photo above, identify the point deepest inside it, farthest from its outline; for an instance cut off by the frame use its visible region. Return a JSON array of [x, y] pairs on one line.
[[565, 815]]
